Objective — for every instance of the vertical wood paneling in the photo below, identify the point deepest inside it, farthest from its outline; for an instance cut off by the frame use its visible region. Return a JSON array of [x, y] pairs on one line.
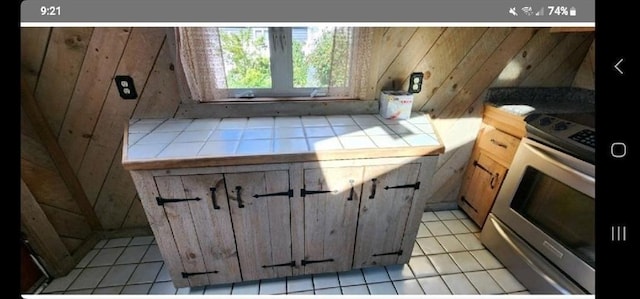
[[100, 62], [556, 57], [585, 77], [566, 71], [42, 235], [461, 74], [528, 57], [66, 223], [161, 97], [82, 108], [438, 62], [137, 60], [33, 44], [135, 215], [410, 56], [483, 77], [393, 42], [32, 111], [47, 186], [60, 70], [117, 193]]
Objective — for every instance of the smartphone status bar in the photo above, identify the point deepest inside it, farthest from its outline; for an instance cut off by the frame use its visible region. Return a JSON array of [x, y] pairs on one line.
[[295, 11]]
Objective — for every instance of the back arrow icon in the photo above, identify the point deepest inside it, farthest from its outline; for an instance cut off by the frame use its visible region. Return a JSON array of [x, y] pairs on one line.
[[617, 66]]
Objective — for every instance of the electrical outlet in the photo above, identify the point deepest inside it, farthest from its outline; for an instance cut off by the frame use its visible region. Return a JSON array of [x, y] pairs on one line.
[[126, 88], [415, 82]]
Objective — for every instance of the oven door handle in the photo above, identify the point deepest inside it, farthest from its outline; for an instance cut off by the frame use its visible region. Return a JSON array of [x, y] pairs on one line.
[[544, 154]]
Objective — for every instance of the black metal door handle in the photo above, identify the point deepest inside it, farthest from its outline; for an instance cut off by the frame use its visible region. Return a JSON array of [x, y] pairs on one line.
[[239, 196], [352, 192], [161, 201], [373, 188], [494, 180], [213, 198]]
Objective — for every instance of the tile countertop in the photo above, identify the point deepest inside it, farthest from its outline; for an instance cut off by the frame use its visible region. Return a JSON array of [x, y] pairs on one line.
[[176, 143]]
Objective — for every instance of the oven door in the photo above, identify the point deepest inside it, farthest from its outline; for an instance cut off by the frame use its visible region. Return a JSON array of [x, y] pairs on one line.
[[548, 200]]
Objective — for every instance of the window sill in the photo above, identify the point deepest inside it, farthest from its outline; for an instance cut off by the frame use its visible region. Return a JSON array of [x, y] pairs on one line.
[[271, 100], [277, 107]]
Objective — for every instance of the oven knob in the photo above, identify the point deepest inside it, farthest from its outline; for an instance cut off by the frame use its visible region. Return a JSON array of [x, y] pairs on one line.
[[560, 126], [545, 121]]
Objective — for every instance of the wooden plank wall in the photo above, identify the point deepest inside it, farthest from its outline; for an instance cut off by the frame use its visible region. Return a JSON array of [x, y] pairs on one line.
[[72, 70], [459, 64]]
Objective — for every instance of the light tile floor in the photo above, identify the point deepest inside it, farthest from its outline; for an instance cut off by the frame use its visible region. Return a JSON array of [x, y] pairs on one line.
[[447, 258]]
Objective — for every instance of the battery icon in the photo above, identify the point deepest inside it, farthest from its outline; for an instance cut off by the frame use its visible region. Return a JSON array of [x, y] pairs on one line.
[[572, 11]]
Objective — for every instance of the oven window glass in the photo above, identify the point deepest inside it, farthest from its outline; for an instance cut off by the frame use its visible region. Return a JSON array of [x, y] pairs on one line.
[[562, 212]]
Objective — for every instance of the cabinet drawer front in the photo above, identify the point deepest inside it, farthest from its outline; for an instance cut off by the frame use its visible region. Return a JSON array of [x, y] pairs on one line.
[[500, 145]]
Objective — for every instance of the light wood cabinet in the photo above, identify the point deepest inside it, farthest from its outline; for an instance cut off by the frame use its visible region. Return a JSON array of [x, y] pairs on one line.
[[229, 224], [221, 217], [492, 154], [387, 199], [331, 200], [260, 214]]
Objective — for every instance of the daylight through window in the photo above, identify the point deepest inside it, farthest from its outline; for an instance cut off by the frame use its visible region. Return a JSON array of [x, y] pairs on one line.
[[274, 62]]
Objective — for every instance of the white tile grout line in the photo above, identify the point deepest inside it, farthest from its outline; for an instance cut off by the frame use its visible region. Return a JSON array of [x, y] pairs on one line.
[[286, 278]]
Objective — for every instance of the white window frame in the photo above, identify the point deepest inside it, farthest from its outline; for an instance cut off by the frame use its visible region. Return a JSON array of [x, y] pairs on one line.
[[281, 64]]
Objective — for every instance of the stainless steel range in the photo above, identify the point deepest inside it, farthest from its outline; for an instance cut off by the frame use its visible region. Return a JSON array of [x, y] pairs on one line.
[[542, 225]]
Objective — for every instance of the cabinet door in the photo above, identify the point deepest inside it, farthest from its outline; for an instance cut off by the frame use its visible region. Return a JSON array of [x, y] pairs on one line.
[[387, 198], [197, 211], [260, 212], [483, 179], [331, 200]]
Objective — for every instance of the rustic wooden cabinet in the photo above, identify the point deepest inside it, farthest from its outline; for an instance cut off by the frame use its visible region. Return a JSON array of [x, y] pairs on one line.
[[240, 218], [493, 151]]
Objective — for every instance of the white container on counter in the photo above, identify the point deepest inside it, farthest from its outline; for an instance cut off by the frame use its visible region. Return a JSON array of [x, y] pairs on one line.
[[395, 104]]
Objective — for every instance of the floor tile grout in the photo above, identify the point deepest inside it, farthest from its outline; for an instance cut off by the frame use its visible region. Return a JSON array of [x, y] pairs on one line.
[[437, 221]]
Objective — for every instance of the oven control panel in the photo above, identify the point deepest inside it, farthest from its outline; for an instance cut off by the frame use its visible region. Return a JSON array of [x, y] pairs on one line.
[[569, 136]]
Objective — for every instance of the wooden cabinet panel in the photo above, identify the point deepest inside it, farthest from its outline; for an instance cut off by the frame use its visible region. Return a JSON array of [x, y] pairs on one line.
[[483, 179], [184, 209], [384, 210], [330, 217], [261, 222], [212, 221], [501, 146]]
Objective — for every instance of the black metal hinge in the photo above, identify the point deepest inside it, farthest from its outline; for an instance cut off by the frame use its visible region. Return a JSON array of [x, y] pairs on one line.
[[285, 193], [289, 264], [187, 274], [161, 201], [399, 252], [468, 203], [415, 186], [304, 192], [305, 262]]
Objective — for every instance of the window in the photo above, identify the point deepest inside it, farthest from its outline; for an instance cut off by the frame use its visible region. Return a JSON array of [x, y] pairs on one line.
[[274, 62]]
